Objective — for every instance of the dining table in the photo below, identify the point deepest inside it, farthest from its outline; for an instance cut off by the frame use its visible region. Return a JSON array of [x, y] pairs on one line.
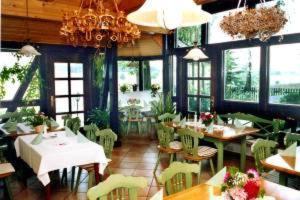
[[285, 165], [56, 151], [208, 192], [222, 135]]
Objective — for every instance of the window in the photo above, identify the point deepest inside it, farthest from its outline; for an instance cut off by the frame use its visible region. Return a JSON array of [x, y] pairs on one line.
[[128, 73], [185, 36], [199, 86], [215, 33], [69, 90], [284, 74], [152, 73], [241, 74], [174, 62]]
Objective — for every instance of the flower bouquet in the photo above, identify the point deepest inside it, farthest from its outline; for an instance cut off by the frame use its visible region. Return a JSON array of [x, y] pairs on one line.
[[133, 101], [240, 186], [207, 118], [154, 89]]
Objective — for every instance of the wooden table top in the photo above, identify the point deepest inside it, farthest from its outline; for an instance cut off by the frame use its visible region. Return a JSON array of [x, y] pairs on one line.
[[207, 192], [289, 165], [228, 134]]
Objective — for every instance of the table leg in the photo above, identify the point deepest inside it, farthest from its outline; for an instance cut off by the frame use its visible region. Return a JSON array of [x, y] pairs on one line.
[[48, 192], [97, 175], [282, 179], [243, 154], [220, 146]]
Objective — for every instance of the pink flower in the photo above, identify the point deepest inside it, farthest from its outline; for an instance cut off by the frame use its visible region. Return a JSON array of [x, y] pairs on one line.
[[226, 177], [237, 193], [252, 174]]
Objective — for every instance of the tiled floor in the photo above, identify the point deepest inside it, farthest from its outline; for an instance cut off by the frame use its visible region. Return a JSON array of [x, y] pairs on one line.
[[136, 157]]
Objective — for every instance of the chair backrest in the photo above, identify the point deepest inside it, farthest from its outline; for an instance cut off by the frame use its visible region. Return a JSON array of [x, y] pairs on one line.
[[133, 111], [91, 131], [165, 134], [167, 117], [291, 138], [261, 150], [190, 140], [107, 139], [178, 176], [72, 123], [117, 186]]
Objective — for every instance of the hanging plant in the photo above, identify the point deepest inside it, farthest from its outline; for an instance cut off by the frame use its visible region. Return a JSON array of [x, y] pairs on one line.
[[250, 23], [99, 68]]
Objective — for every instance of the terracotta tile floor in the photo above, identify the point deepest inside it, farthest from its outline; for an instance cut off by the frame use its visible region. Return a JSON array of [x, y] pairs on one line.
[[136, 157]]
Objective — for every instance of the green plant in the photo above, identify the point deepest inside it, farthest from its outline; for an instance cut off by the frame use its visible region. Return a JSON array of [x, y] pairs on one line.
[[154, 89], [99, 117], [37, 120], [158, 107], [99, 69], [124, 88]]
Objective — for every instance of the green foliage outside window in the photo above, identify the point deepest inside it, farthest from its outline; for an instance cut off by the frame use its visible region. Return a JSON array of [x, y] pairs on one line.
[[186, 36]]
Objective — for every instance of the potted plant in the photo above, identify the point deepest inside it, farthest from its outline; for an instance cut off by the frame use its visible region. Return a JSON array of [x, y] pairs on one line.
[[124, 88], [154, 89], [134, 87], [207, 118], [38, 122], [99, 117]]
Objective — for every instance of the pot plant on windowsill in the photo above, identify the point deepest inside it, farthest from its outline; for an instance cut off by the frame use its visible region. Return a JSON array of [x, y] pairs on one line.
[[154, 89], [134, 87], [38, 122], [124, 88]]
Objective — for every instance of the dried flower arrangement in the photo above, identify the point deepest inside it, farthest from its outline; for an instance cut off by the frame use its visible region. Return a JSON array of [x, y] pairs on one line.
[[249, 23]]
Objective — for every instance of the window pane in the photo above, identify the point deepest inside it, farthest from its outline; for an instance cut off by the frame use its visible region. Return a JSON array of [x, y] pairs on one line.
[[205, 69], [62, 105], [33, 90], [77, 87], [61, 88], [192, 104], [241, 68], [60, 70], [204, 87], [186, 36], [284, 74], [192, 69], [156, 71], [204, 105], [76, 70], [215, 33], [127, 74], [174, 74], [77, 104], [192, 87]]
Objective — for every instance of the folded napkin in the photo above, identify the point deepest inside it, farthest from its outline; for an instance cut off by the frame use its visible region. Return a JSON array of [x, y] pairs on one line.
[[10, 126], [218, 179], [220, 121], [158, 196], [210, 128], [290, 151], [175, 145], [182, 123], [81, 138], [24, 128], [69, 133], [53, 124], [177, 119], [239, 125], [38, 139]]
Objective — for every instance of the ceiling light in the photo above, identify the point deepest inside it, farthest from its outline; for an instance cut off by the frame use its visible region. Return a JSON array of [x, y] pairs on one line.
[[195, 54], [169, 14], [29, 50]]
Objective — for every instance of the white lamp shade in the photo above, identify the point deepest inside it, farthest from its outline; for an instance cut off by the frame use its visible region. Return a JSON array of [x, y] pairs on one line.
[[29, 50], [195, 54], [169, 14]]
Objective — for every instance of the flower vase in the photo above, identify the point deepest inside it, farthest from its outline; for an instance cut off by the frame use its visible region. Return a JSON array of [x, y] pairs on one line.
[[39, 129]]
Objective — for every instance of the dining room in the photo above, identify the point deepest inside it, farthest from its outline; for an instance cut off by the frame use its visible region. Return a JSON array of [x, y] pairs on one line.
[[150, 100]]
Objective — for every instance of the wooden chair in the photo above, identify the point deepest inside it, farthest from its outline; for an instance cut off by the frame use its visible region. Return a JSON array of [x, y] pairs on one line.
[[291, 138], [134, 116], [261, 150], [165, 137], [106, 138], [167, 117], [6, 170], [117, 186], [192, 151], [178, 176]]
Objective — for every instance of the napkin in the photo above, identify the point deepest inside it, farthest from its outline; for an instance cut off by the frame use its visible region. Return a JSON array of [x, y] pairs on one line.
[[158, 196], [38, 139], [81, 138], [290, 151], [10, 126], [53, 124], [218, 179], [69, 133], [210, 128], [220, 121], [22, 127], [177, 119], [182, 123], [239, 125]]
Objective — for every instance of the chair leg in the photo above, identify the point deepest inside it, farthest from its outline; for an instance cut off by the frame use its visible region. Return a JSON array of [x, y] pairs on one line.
[[128, 127], [212, 166], [157, 162], [108, 170], [64, 176], [72, 177], [7, 186], [139, 127], [199, 175], [77, 180], [171, 158]]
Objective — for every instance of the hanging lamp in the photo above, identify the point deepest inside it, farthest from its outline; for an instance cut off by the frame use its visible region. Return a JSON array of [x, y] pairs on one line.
[[28, 50], [195, 53], [169, 14]]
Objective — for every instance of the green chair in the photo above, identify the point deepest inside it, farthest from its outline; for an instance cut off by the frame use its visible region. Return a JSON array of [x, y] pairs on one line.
[[106, 138], [261, 150], [117, 186], [167, 117], [165, 137], [291, 138], [192, 151], [134, 116], [178, 177]]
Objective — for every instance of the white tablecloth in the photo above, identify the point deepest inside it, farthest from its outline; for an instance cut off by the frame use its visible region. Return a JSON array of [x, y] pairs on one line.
[[58, 153]]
